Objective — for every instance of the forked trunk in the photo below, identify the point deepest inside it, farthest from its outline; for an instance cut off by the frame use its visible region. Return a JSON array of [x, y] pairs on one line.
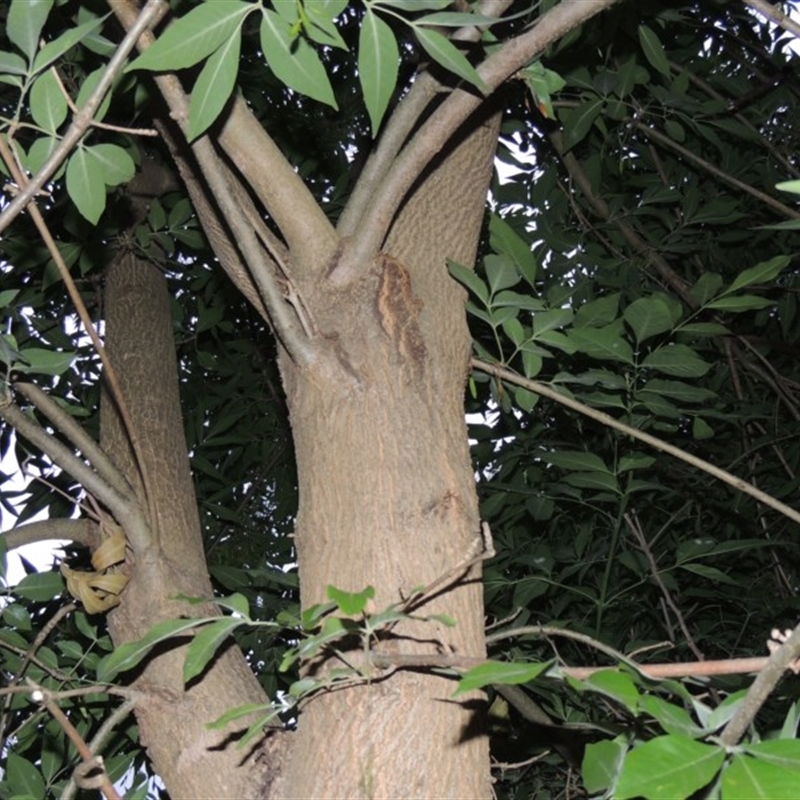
[[387, 498]]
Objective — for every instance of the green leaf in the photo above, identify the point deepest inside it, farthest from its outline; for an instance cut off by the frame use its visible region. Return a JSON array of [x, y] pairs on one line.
[[601, 764], [603, 343], [114, 162], [782, 752], [378, 65], [653, 50], [40, 586], [416, 5], [576, 460], [748, 778], [351, 604], [578, 121], [546, 321], [677, 390], [617, 685], [707, 286], [237, 603], [294, 61], [678, 360], [741, 302], [760, 273], [712, 573], [672, 718], [701, 429], [504, 240], [214, 86], [128, 655], [321, 27], [194, 36], [499, 672], [683, 767], [597, 313], [447, 55], [205, 644], [500, 272], [648, 316], [25, 782], [238, 712], [48, 104], [627, 463], [467, 278], [55, 49], [44, 362], [789, 186], [12, 64], [24, 24], [593, 480], [455, 19], [40, 151], [86, 186]]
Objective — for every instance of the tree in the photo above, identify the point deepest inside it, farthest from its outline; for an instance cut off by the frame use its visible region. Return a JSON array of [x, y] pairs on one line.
[[345, 252]]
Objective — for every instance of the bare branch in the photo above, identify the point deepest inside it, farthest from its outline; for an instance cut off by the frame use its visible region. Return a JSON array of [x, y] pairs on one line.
[[766, 680], [726, 477], [776, 14], [127, 512], [219, 236], [399, 126], [286, 324], [684, 152], [82, 531], [149, 15], [77, 435], [309, 235], [432, 136]]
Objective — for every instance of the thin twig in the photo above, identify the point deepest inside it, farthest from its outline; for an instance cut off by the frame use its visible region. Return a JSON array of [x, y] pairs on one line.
[[726, 477], [83, 119], [77, 435], [767, 679], [92, 762], [100, 739], [482, 549], [776, 14], [636, 529], [141, 535]]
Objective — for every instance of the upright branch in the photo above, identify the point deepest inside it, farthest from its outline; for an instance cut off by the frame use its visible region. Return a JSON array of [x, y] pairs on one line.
[[437, 130]]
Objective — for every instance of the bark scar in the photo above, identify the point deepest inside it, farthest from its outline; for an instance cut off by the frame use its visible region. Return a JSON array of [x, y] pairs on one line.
[[398, 310]]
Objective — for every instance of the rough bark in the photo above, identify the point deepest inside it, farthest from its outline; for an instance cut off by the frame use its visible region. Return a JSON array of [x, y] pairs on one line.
[[192, 760], [387, 496]]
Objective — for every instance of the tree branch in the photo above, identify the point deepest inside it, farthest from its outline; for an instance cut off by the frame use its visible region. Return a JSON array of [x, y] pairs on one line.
[[81, 531], [684, 152], [286, 323], [400, 124], [308, 233], [434, 133], [149, 15], [766, 680], [127, 512], [77, 436], [776, 14], [726, 477]]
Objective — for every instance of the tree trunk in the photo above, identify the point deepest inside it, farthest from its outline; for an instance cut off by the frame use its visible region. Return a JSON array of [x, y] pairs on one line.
[[192, 760], [387, 498]]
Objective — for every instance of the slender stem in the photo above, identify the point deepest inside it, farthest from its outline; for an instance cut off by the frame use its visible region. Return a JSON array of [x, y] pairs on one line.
[[77, 435], [726, 477], [152, 10]]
